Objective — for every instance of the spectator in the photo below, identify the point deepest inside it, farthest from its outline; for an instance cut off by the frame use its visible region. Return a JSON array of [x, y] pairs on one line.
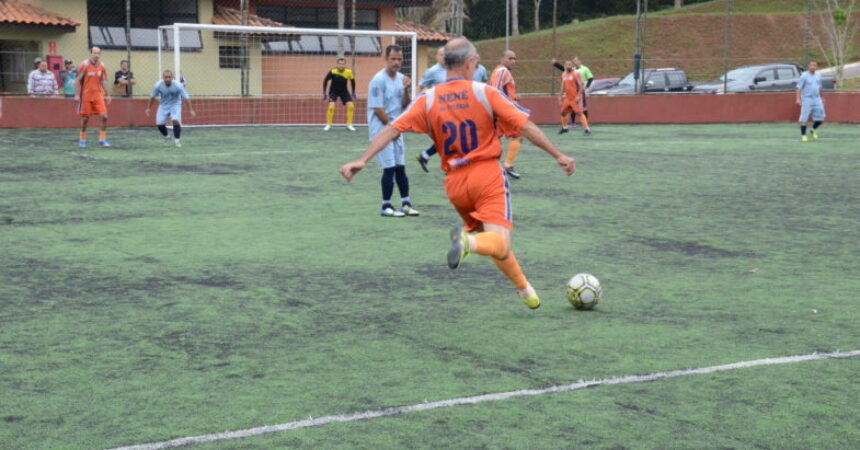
[[68, 76], [42, 81], [123, 80], [36, 63]]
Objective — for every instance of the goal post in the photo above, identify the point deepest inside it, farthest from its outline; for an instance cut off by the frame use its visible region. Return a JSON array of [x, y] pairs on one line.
[[254, 75]]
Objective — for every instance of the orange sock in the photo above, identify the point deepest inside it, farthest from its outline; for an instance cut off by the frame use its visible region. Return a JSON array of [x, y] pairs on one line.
[[583, 120], [564, 121], [513, 151], [102, 135], [490, 244], [511, 268], [83, 135]]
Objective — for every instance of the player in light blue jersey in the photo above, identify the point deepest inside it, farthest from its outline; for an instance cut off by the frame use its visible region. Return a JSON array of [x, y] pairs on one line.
[[172, 95], [809, 99], [438, 74], [388, 95]]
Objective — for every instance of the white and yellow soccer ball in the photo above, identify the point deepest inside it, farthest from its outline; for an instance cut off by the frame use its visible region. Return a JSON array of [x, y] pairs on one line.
[[584, 291]]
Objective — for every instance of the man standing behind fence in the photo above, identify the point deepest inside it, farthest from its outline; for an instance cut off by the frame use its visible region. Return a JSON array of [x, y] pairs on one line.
[[42, 82]]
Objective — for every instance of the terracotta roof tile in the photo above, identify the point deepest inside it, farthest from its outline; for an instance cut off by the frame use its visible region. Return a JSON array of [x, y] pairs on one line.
[[425, 33], [230, 16], [15, 11]]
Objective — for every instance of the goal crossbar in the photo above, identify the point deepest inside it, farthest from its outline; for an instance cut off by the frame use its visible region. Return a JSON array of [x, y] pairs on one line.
[[178, 26]]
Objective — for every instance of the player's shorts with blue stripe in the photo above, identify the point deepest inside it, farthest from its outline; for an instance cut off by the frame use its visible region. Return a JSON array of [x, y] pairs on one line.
[[811, 107], [393, 154], [175, 113]]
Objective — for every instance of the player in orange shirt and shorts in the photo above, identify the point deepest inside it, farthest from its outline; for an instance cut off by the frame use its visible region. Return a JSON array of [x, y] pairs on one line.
[[465, 118], [503, 80], [572, 98], [92, 95]]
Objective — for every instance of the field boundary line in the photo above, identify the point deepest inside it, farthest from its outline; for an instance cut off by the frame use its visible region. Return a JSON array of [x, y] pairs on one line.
[[397, 410]]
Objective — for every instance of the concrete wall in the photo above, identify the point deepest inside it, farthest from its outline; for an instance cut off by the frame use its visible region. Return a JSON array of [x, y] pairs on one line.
[[26, 112]]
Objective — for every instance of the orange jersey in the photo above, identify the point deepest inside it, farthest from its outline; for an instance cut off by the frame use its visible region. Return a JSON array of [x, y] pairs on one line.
[[503, 80], [91, 76], [571, 85], [464, 119]]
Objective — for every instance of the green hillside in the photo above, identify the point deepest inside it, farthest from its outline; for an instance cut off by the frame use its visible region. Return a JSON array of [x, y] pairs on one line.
[[691, 38]]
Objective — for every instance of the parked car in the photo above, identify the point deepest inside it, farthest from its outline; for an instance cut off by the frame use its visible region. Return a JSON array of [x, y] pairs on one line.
[[655, 80], [599, 84], [759, 78]]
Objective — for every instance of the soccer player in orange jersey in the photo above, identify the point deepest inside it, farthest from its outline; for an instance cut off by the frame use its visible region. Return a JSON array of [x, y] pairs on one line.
[[572, 98], [465, 118], [503, 80], [92, 95]]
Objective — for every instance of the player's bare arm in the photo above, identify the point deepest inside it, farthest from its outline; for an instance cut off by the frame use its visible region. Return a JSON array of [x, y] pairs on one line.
[[187, 102], [383, 116], [388, 134], [407, 92], [105, 90], [531, 132], [149, 105]]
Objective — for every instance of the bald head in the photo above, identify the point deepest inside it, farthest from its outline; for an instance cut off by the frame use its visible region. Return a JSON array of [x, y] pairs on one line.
[[509, 59], [458, 52]]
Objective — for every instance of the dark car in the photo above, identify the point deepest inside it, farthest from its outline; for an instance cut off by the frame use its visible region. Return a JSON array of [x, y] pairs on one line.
[[759, 78], [654, 81]]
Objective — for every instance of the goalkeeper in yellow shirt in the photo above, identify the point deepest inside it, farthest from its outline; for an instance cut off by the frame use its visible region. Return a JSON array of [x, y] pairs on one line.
[[339, 76]]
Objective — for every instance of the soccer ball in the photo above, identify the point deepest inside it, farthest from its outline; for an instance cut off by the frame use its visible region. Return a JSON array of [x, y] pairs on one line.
[[583, 291]]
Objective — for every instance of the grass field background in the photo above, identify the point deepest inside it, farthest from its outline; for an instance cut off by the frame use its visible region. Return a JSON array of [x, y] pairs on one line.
[[149, 293]]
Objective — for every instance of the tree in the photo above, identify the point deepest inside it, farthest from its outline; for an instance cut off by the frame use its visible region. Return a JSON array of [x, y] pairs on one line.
[[838, 33], [515, 18], [537, 15]]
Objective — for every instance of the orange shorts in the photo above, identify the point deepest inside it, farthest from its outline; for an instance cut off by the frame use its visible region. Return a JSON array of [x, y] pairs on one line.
[[92, 106], [569, 107], [480, 193]]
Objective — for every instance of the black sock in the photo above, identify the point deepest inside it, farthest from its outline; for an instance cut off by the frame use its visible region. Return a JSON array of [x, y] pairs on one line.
[[387, 185], [163, 130], [402, 180], [430, 151], [816, 124], [803, 130], [177, 130]]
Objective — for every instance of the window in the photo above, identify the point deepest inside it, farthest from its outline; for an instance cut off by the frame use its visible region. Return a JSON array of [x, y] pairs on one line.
[[107, 21], [768, 75], [676, 79], [324, 45], [307, 17], [229, 57], [657, 81], [785, 73]]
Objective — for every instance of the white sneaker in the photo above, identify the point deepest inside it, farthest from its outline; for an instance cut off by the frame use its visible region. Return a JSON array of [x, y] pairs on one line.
[[178, 144], [166, 140], [390, 212], [327, 127], [350, 128], [409, 211]]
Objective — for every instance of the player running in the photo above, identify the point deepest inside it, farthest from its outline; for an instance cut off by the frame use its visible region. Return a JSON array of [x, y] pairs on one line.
[[809, 99], [339, 76], [572, 98], [464, 118], [503, 80], [172, 94], [92, 95], [438, 75]]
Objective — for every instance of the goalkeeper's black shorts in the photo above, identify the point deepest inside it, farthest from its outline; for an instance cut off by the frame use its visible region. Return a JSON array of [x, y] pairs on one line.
[[344, 97]]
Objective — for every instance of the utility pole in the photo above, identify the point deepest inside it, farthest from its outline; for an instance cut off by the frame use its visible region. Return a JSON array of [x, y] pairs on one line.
[[727, 49]]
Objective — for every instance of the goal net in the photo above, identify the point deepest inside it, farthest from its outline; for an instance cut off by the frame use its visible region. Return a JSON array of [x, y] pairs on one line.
[[273, 76]]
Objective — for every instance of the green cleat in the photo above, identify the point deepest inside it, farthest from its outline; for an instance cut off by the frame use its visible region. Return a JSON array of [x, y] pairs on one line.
[[459, 247], [814, 135], [532, 302], [804, 139]]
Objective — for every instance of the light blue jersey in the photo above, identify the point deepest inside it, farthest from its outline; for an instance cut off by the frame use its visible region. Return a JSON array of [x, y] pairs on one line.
[[170, 104], [433, 76], [170, 95], [809, 85], [386, 93], [438, 75]]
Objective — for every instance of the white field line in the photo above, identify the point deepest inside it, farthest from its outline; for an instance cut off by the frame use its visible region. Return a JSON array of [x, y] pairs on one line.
[[397, 410]]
